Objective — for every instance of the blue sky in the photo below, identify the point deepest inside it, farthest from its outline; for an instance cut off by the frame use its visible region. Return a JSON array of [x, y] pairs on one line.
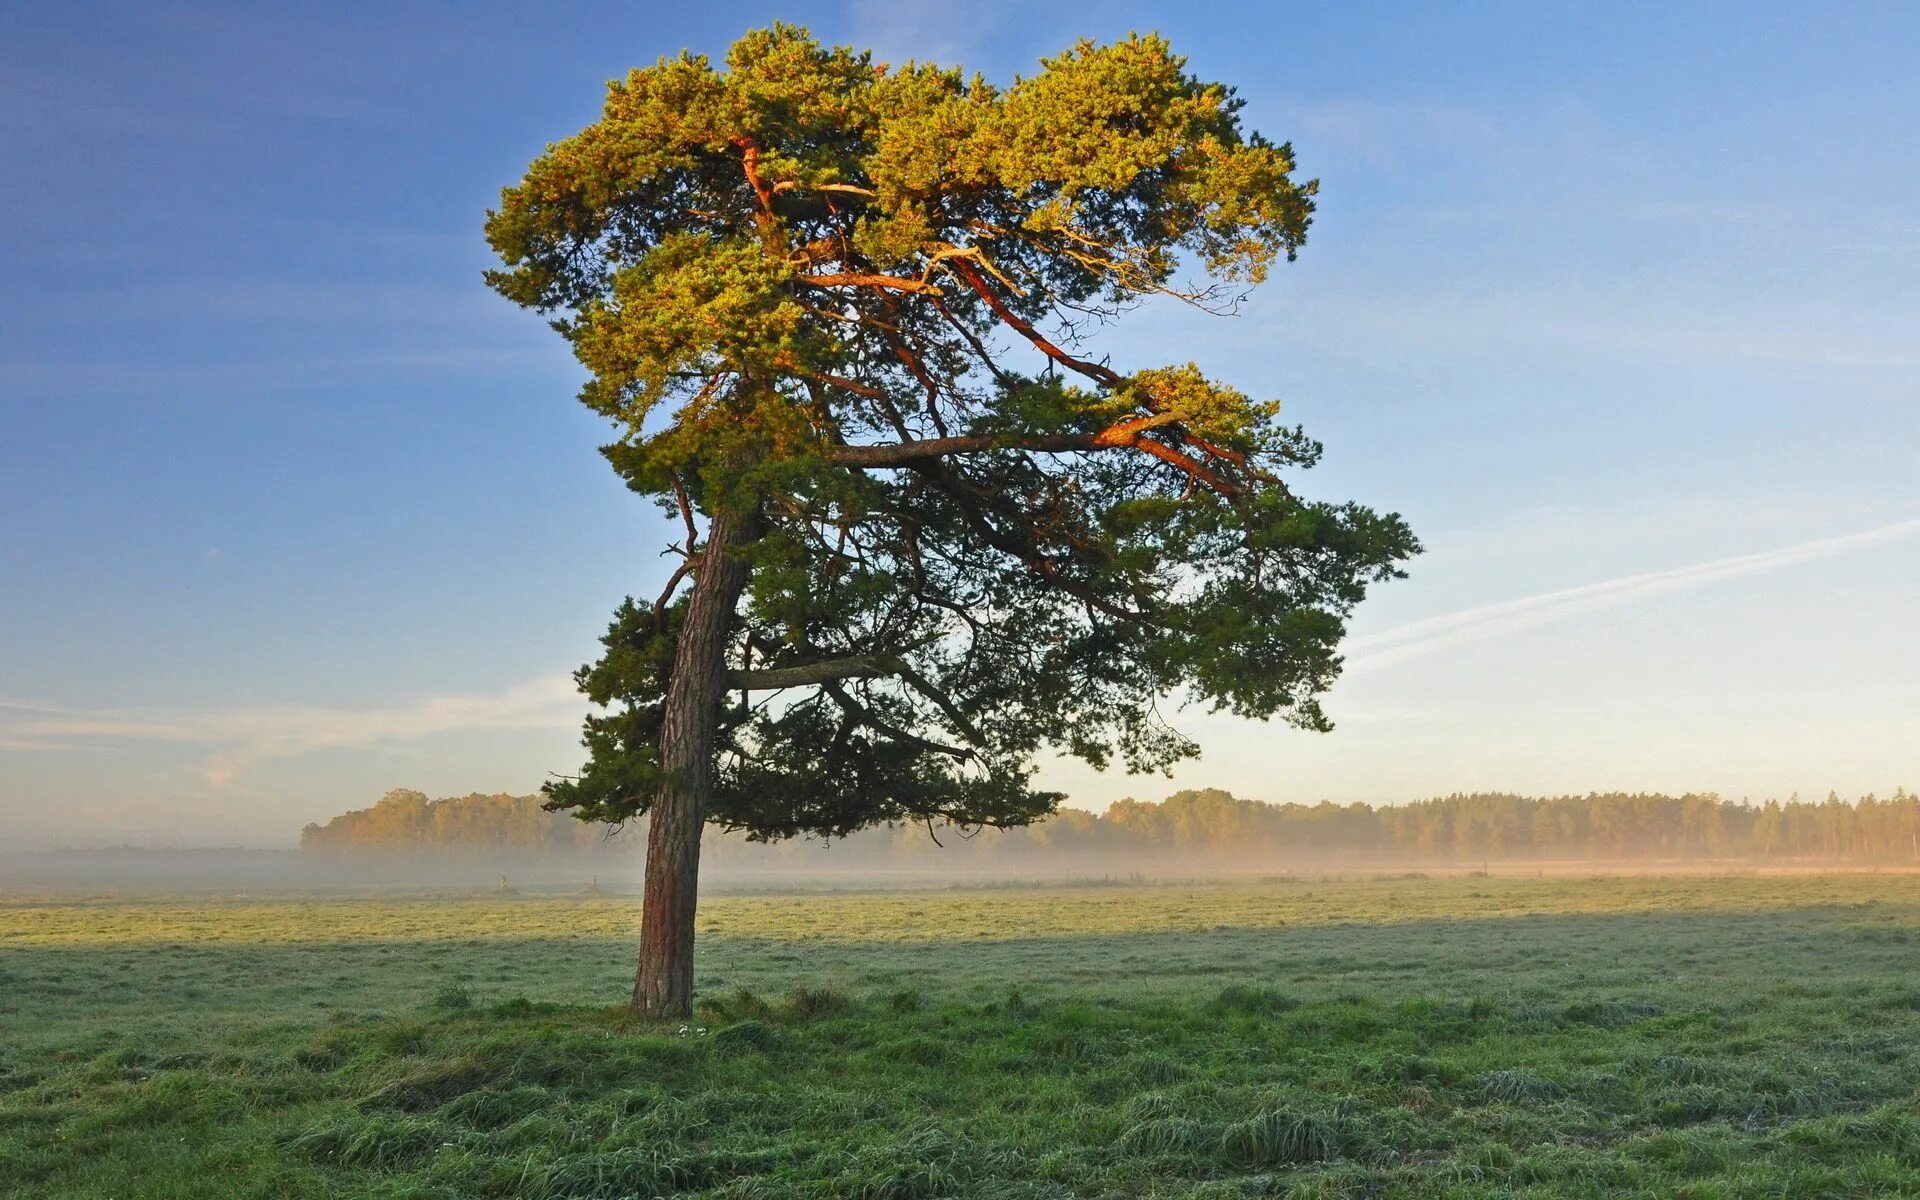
[[293, 510]]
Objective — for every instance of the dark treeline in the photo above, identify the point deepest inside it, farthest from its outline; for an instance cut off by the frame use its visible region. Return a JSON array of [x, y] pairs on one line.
[[1207, 827]]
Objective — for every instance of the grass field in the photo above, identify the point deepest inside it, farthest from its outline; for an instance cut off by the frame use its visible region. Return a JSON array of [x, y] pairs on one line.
[[1643, 1036]]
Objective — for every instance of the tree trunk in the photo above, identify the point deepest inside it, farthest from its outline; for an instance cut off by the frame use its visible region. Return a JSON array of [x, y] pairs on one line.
[[663, 985]]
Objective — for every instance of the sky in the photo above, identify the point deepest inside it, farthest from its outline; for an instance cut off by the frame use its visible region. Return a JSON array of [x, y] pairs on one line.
[[1617, 303]]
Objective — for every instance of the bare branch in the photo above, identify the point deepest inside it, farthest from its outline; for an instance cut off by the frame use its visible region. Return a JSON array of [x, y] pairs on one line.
[[666, 594], [971, 275], [686, 513]]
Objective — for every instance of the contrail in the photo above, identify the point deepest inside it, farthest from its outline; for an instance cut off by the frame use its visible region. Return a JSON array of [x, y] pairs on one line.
[[1474, 624]]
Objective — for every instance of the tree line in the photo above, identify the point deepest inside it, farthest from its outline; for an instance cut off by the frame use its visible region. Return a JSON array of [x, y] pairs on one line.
[[1199, 827]]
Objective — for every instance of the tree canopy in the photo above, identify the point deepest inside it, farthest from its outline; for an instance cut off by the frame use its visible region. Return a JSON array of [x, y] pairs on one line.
[[838, 306], [837, 310]]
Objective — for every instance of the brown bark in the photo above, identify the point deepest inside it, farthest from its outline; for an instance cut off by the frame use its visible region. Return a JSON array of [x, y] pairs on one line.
[[663, 984], [857, 666]]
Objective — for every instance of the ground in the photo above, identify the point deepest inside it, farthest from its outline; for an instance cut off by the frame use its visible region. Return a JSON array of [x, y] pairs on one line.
[[1380, 1037]]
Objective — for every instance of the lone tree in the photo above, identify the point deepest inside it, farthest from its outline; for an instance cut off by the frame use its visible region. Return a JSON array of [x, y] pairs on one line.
[[835, 310]]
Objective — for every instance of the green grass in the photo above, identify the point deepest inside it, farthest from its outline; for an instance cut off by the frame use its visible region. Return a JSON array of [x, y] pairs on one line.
[[1650, 1036]]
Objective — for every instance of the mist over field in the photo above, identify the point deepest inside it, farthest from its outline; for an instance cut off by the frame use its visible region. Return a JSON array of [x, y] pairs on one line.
[[505, 844]]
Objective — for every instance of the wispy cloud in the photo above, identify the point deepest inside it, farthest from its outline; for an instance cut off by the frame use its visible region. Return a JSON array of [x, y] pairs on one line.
[[20, 705], [1493, 620], [239, 739]]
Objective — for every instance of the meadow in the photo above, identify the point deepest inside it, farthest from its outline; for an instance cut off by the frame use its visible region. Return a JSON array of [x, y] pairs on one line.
[[1466, 1036]]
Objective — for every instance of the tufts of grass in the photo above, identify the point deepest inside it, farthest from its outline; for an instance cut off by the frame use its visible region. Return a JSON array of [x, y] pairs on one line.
[[1167, 1137], [1367, 1043], [816, 1003], [741, 1004], [490, 1109], [1154, 1106], [428, 1087], [1515, 1087], [1281, 1136], [1153, 1067], [744, 1037], [377, 1141], [453, 999], [616, 1174], [1252, 1001], [1608, 1014], [918, 1050]]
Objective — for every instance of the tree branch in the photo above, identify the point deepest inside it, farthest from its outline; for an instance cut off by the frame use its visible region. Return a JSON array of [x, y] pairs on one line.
[[873, 720], [943, 702], [666, 593], [788, 362], [750, 164], [1128, 434], [856, 666], [971, 275], [686, 513], [847, 189], [887, 283], [1018, 543], [829, 673], [901, 454]]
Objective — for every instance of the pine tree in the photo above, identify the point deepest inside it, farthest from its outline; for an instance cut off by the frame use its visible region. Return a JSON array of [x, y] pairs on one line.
[[832, 309]]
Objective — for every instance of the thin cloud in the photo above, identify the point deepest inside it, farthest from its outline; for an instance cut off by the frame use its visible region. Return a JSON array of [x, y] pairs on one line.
[[243, 738], [8, 742], [23, 705], [1492, 620]]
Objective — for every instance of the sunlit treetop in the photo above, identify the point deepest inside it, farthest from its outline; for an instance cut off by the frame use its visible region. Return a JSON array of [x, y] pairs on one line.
[[834, 309]]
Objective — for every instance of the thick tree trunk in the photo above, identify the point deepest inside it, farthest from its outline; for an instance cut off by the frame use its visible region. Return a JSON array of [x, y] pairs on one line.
[[663, 986]]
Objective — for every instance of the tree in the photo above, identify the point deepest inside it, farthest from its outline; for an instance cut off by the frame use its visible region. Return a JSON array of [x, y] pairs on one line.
[[835, 311]]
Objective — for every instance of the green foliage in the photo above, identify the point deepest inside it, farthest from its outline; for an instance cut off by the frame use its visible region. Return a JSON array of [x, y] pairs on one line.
[[793, 279], [1638, 1037]]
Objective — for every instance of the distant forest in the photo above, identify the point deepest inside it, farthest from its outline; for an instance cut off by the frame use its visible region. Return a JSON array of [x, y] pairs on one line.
[[1204, 828]]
